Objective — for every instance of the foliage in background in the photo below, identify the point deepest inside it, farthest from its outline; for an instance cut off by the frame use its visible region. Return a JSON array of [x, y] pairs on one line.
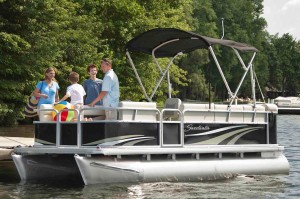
[[70, 34], [284, 64]]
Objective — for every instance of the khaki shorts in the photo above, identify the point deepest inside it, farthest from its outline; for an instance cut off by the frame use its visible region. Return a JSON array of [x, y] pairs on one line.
[[111, 115], [78, 106]]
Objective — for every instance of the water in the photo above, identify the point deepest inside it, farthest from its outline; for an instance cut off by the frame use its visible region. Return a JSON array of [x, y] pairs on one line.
[[283, 186]]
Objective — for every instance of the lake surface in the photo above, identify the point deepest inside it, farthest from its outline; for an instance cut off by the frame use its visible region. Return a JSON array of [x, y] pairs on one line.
[[283, 186]]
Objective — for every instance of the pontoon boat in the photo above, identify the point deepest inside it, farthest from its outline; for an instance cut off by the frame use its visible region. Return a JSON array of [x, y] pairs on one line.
[[180, 142]]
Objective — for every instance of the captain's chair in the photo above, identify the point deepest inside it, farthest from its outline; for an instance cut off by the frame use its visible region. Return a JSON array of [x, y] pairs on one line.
[[172, 103]]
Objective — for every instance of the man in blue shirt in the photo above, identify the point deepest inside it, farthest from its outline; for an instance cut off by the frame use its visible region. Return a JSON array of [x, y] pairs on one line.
[[92, 86], [110, 89]]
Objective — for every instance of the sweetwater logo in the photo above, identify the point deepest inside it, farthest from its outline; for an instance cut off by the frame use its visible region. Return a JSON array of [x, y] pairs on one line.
[[191, 127]]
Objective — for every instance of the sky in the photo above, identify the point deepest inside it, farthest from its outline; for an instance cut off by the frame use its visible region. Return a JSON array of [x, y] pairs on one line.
[[283, 16]]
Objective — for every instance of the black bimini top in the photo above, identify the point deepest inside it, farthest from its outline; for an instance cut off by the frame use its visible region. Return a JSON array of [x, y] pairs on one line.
[[174, 41]]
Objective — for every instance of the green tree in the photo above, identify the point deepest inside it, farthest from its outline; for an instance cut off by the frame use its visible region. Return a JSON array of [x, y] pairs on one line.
[[243, 23], [285, 65], [11, 48], [71, 34], [201, 18], [54, 35], [137, 17]]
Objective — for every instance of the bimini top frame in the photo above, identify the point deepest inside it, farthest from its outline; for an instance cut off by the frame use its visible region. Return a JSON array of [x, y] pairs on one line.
[[171, 42]]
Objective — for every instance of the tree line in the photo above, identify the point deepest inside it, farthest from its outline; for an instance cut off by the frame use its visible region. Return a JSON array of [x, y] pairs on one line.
[[70, 34]]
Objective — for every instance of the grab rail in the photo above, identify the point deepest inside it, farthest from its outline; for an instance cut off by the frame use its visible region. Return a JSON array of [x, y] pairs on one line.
[[159, 119]]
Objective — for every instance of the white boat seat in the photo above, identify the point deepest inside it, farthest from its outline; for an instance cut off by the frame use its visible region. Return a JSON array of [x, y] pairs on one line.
[[137, 111], [260, 114], [197, 112], [95, 113], [271, 107], [172, 103], [221, 113], [236, 113], [45, 116], [254, 115]]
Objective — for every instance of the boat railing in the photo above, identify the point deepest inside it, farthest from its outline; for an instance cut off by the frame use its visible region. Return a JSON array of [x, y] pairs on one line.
[[165, 118], [59, 122], [204, 113], [224, 116]]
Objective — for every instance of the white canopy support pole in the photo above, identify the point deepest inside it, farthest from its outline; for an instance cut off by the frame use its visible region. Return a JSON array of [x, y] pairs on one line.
[[163, 75], [137, 75], [238, 88], [153, 53], [242, 80], [220, 70], [253, 86], [240, 58], [262, 95], [253, 80], [223, 29], [169, 84]]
